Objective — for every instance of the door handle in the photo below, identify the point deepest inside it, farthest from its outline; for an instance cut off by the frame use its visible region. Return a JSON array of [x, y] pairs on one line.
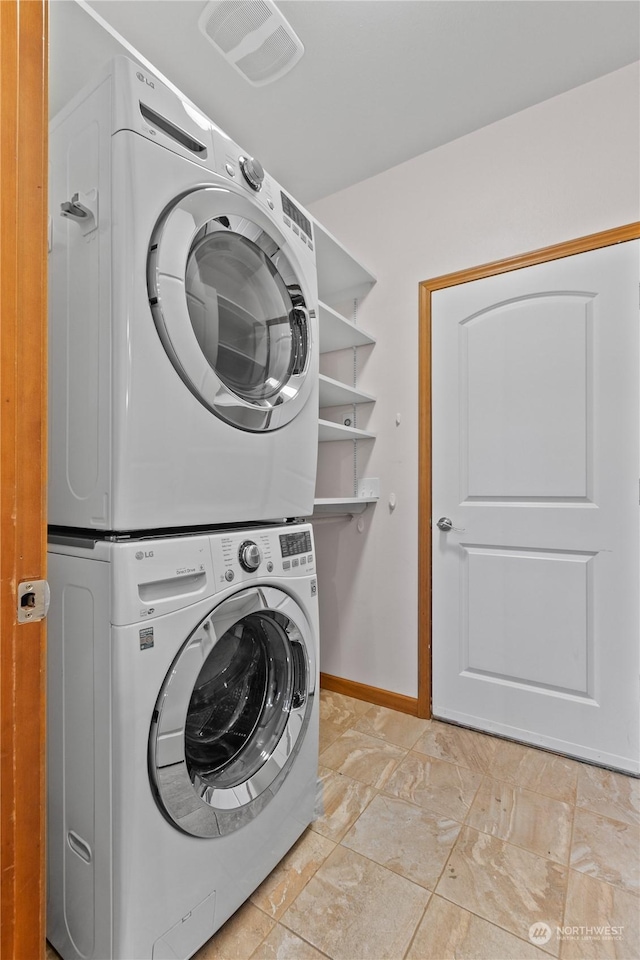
[[445, 524]]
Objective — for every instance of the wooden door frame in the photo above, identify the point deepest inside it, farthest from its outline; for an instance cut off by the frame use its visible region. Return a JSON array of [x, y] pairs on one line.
[[593, 241], [23, 341]]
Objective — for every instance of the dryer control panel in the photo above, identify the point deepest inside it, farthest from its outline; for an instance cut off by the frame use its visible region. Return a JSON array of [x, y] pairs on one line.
[[247, 172], [295, 218]]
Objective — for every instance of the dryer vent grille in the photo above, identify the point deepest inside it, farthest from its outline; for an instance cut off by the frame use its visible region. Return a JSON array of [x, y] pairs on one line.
[[253, 36]]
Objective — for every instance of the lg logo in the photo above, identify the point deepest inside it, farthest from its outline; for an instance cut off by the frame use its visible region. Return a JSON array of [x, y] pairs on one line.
[[143, 554], [141, 77]]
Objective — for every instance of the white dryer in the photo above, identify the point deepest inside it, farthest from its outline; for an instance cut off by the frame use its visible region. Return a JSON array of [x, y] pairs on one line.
[[183, 732], [183, 327]]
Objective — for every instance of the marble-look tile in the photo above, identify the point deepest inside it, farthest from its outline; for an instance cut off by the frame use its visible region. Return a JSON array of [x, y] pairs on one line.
[[591, 903], [447, 932], [341, 710], [343, 799], [606, 849], [527, 819], [611, 794], [436, 785], [537, 770], [353, 908], [239, 936], [404, 838], [504, 884], [329, 733], [398, 728], [468, 748], [285, 882], [282, 944], [351, 703], [363, 758]]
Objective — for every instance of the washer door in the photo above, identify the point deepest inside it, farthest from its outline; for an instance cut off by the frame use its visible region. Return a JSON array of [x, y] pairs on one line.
[[232, 713], [230, 308]]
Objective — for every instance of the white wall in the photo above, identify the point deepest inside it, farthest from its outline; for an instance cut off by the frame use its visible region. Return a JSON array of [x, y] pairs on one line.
[[562, 169]]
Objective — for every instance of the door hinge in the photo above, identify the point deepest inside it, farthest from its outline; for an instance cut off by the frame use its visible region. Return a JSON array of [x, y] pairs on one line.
[[33, 600]]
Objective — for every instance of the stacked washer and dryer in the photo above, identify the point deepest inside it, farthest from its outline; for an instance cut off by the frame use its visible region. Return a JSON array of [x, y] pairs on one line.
[[183, 629]]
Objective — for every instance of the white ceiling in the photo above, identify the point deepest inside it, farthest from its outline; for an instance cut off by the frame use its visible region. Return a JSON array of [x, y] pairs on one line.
[[381, 81]]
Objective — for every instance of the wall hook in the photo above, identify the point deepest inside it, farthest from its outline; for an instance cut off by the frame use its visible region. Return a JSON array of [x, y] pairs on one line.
[[83, 210]]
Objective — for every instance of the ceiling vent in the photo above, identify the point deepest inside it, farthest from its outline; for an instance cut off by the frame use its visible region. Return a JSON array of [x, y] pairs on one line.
[[253, 36]]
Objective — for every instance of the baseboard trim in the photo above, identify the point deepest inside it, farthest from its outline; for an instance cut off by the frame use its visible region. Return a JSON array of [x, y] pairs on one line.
[[360, 691]]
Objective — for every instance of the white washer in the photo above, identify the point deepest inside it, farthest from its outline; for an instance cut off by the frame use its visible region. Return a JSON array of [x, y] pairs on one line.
[[183, 732], [183, 327]]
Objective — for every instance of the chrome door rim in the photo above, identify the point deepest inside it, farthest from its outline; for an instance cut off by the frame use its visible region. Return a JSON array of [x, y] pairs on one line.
[[171, 243], [190, 804]]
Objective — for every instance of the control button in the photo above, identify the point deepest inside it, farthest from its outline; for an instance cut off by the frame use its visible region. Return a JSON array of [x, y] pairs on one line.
[[310, 245], [230, 170], [295, 563], [229, 575], [270, 567], [296, 229], [249, 556], [270, 204], [287, 221], [252, 172], [310, 558], [303, 561], [303, 238], [286, 564]]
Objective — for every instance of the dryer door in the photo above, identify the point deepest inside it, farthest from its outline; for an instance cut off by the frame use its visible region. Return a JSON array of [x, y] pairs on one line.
[[231, 308], [233, 712]]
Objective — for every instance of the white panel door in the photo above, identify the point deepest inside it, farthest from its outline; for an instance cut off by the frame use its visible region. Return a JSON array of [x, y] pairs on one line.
[[535, 461]]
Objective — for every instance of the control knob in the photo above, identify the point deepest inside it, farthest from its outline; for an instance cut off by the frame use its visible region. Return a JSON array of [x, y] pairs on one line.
[[249, 556], [252, 172]]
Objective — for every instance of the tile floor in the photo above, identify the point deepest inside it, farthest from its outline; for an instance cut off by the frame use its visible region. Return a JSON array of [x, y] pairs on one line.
[[438, 842]]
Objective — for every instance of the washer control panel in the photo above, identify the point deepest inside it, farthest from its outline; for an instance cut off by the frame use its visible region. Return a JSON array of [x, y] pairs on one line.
[[296, 549], [253, 554]]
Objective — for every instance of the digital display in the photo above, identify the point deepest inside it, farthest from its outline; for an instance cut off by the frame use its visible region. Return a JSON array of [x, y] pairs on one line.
[[294, 543], [290, 210]]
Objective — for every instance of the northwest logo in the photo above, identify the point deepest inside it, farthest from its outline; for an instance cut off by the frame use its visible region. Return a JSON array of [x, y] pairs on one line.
[[539, 933]]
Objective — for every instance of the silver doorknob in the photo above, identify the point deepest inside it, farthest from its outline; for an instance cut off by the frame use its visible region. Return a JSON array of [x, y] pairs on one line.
[[444, 524]]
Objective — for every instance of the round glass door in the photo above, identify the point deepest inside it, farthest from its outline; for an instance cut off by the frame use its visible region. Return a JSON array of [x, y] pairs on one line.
[[232, 713], [230, 309], [243, 315]]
